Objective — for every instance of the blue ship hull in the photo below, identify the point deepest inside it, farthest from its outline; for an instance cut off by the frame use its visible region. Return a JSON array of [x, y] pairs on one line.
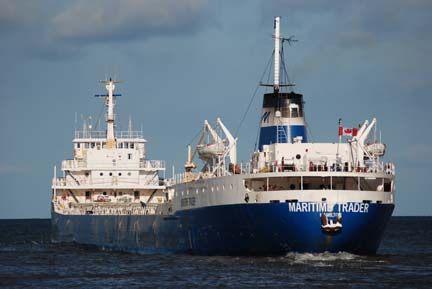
[[241, 229]]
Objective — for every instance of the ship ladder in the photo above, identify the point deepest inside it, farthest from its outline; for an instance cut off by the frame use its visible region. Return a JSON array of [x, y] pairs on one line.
[[281, 136]]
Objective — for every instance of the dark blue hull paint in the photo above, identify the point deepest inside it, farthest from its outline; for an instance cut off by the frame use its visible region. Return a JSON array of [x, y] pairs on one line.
[[242, 229]]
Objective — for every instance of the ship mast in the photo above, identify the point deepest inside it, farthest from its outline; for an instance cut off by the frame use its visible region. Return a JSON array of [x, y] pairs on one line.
[[276, 53], [110, 118]]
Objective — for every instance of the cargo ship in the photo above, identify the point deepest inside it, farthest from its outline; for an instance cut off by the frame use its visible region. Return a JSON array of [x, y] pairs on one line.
[[291, 196]]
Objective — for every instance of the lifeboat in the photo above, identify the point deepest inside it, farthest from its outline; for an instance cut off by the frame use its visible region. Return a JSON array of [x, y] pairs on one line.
[[376, 149], [208, 151]]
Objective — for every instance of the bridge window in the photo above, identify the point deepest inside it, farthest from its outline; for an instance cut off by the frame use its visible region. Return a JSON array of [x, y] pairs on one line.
[[274, 184], [387, 185], [316, 183], [345, 183], [132, 145]]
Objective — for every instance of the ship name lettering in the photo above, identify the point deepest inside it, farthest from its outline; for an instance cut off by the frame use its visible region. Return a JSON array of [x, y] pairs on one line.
[[307, 207], [354, 208], [298, 207]]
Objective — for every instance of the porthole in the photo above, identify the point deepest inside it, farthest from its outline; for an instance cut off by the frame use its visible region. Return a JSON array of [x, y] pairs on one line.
[[101, 174], [119, 174], [129, 174], [110, 174], [298, 156]]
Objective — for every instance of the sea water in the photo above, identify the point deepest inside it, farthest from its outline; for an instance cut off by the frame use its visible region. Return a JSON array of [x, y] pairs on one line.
[[28, 259]]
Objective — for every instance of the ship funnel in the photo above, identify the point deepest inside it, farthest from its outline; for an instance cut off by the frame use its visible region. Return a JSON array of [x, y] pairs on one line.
[[282, 119]]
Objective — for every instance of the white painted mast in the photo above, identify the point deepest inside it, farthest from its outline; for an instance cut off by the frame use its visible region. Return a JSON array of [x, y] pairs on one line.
[[276, 52], [110, 138]]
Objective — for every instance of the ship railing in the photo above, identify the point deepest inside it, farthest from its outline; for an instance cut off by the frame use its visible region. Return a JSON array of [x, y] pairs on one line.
[[152, 164], [272, 167], [114, 181], [145, 164], [73, 164], [105, 209], [127, 134], [59, 182]]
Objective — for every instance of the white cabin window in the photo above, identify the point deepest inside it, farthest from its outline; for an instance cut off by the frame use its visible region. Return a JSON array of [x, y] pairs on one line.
[[132, 145], [129, 156], [126, 145], [78, 145]]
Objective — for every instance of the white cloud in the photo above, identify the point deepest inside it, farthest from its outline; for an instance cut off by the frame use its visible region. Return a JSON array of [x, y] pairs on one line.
[[55, 30], [112, 21]]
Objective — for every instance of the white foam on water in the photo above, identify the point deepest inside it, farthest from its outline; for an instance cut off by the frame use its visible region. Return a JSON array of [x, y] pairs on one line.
[[321, 259]]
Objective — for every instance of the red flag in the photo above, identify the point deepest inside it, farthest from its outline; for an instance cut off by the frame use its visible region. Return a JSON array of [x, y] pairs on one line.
[[347, 131]]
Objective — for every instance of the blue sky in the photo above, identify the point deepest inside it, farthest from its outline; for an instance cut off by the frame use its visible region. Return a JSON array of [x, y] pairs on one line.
[[184, 61]]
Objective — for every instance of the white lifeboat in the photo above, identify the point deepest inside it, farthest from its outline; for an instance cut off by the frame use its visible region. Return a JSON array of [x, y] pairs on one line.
[[376, 149], [208, 151]]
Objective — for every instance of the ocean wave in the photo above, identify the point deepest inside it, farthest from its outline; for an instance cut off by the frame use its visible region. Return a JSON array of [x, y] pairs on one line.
[[319, 258]]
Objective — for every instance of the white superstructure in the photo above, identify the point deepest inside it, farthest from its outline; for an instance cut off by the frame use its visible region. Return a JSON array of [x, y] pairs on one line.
[[285, 167], [109, 172], [291, 172]]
